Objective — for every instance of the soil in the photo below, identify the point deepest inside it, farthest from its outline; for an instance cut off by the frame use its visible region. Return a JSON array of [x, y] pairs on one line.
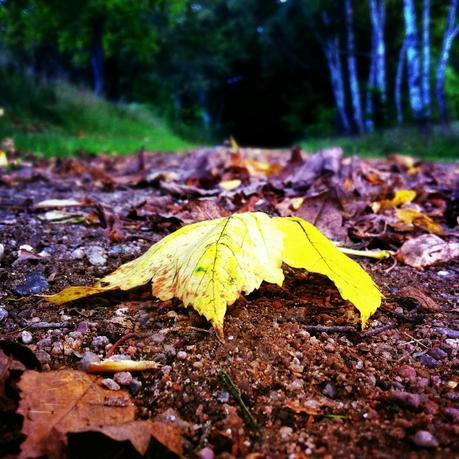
[[315, 384]]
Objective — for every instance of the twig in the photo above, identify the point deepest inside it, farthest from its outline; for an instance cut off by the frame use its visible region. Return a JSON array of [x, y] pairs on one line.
[[380, 330], [47, 325], [329, 329], [416, 340], [236, 393], [121, 341]]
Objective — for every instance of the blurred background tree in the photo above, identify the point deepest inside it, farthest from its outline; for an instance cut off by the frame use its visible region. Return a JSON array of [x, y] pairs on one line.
[[269, 72]]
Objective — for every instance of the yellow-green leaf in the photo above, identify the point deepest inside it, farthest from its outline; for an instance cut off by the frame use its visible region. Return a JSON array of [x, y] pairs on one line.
[[206, 265], [401, 197], [306, 247]]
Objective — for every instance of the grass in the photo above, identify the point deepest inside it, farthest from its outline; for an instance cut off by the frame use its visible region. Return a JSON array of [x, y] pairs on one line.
[[61, 120], [437, 145]]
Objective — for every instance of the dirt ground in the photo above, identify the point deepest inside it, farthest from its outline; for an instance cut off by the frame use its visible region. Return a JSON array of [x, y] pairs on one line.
[[296, 376]]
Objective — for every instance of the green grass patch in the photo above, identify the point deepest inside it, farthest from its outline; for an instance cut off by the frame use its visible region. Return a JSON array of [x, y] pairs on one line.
[[436, 145], [61, 120]]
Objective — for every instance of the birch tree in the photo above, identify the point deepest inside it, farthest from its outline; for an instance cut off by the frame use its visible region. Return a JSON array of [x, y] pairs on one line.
[[426, 58], [413, 64], [451, 30], [352, 68]]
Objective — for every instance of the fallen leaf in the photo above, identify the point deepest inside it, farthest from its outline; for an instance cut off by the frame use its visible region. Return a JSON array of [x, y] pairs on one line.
[[427, 250], [57, 403], [401, 197], [208, 264], [113, 366], [58, 203], [3, 159], [326, 213], [230, 184], [306, 247], [414, 218]]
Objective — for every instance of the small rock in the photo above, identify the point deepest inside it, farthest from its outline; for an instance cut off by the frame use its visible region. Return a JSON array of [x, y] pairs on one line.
[[158, 337], [96, 256], [77, 254], [45, 342], [329, 390], [57, 349], [2, 251], [223, 396], [285, 432], [26, 337], [99, 342], [452, 412], [83, 327], [43, 356], [3, 314], [169, 349], [449, 332], [443, 273], [406, 398], [124, 378], [425, 439], [135, 386], [197, 364], [110, 384], [330, 347], [182, 355], [206, 453], [296, 384], [428, 361], [35, 283], [88, 357], [438, 353], [405, 371]]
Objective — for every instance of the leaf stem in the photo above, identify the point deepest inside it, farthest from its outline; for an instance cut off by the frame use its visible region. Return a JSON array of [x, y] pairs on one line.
[[378, 254]]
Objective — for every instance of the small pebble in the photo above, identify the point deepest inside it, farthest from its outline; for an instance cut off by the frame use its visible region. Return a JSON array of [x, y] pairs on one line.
[[124, 378], [329, 390], [34, 283], [405, 371], [296, 384], [428, 361], [197, 364], [83, 327], [438, 353], [96, 256], [425, 438], [26, 337], [158, 337], [206, 453], [223, 396], [88, 357], [43, 356], [182, 355], [99, 342], [443, 273], [449, 332], [3, 314], [77, 254], [169, 349], [135, 386], [110, 384], [285, 432]]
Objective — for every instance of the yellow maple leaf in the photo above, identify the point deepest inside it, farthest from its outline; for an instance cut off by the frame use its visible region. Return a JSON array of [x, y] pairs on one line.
[[401, 197], [208, 264], [413, 217], [306, 247]]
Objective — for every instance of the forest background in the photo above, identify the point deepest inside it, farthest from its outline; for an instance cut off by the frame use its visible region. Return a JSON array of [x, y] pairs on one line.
[[383, 75]]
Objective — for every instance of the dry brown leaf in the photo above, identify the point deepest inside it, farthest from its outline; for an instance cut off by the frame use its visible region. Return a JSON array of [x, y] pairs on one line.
[[57, 403], [427, 250]]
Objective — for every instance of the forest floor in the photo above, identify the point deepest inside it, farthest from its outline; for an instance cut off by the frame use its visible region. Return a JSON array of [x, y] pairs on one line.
[[296, 376]]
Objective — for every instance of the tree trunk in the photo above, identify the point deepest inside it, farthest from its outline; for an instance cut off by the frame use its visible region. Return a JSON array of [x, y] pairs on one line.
[[369, 122], [451, 30], [378, 16], [426, 58], [398, 82], [332, 53], [97, 60], [413, 65], [352, 68]]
